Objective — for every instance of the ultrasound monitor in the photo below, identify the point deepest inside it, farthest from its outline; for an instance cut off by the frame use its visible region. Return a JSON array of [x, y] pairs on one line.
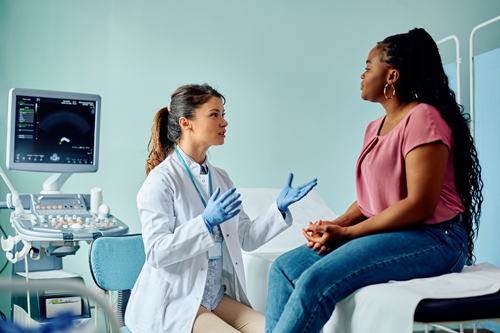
[[53, 131]]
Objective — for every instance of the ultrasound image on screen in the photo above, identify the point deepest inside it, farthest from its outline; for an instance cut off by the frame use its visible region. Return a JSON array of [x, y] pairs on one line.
[[53, 131], [64, 129]]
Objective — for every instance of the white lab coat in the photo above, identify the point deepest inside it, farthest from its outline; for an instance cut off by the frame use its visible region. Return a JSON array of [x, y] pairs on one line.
[[168, 292]]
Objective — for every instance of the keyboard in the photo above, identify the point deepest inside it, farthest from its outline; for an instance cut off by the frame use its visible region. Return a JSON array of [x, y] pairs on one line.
[[65, 217]]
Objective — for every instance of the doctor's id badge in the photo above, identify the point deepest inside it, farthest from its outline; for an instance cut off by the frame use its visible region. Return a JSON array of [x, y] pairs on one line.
[[215, 252]]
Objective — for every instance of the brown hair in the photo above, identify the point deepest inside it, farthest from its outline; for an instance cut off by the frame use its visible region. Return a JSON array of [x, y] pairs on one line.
[[166, 131]]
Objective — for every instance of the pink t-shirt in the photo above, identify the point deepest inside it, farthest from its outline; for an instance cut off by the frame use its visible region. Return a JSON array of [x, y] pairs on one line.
[[380, 171]]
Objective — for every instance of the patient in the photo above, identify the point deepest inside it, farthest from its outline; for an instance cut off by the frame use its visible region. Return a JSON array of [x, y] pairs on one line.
[[418, 194]]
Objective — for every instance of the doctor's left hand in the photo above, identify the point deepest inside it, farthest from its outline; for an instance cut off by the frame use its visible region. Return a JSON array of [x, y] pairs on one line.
[[289, 195]]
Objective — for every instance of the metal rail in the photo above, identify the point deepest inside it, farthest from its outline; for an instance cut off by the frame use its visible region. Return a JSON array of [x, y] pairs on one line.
[[471, 67], [458, 60]]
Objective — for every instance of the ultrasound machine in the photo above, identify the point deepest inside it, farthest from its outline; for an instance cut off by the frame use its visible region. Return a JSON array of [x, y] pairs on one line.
[[54, 132]]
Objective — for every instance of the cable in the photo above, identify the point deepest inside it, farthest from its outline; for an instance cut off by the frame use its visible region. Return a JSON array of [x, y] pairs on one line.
[[4, 267], [7, 262], [3, 231]]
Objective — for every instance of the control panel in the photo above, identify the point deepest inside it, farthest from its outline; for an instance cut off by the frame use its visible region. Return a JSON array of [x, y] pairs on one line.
[[63, 217]]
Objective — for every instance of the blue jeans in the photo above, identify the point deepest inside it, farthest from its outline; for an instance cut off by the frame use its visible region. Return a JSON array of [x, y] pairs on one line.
[[304, 287]]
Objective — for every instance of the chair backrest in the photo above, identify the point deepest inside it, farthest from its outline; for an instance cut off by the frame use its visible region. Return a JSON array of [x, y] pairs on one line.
[[116, 261]]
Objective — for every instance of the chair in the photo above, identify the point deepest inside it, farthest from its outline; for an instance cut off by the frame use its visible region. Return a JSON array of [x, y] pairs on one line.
[[438, 312], [115, 263]]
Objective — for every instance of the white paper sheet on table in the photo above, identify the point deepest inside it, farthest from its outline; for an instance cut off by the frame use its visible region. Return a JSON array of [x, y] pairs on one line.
[[391, 306]]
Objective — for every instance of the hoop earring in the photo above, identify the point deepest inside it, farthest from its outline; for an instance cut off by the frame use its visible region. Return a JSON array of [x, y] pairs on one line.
[[393, 91]]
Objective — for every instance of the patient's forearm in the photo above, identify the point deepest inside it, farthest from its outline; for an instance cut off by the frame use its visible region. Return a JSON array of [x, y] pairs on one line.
[[398, 216], [351, 217]]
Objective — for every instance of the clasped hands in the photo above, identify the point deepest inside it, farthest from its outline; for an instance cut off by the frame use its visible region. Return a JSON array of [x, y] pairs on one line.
[[323, 236]]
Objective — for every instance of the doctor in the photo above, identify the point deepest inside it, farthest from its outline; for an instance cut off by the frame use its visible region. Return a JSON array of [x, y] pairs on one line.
[[193, 226]]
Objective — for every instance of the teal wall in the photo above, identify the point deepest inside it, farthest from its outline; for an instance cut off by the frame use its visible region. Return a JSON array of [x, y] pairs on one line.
[[289, 69]]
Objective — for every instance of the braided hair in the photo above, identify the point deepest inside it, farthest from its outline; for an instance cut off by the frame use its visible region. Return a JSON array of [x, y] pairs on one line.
[[422, 79]]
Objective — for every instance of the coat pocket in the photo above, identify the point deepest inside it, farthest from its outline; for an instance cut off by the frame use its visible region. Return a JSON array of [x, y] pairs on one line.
[[148, 305]]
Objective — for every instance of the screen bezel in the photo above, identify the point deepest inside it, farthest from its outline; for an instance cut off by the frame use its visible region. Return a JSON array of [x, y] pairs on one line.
[[50, 167]]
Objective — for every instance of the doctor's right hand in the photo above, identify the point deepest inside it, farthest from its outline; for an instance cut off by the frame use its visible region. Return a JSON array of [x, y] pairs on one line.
[[221, 209]]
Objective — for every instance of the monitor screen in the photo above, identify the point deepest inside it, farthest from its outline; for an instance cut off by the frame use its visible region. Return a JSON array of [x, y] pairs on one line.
[[53, 131]]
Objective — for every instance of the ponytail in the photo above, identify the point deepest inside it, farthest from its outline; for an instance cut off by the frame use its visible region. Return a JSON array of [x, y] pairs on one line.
[[159, 145], [166, 131]]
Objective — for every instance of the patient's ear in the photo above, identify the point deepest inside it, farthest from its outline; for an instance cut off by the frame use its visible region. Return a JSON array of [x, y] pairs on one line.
[[393, 76]]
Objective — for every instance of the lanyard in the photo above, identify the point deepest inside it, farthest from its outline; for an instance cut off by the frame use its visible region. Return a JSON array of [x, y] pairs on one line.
[[192, 179]]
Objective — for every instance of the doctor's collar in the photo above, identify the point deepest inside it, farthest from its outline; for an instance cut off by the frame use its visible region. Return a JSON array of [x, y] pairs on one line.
[[192, 164]]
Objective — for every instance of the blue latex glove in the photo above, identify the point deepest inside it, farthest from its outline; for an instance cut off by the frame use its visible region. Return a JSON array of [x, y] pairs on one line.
[[289, 195], [221, 209]]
